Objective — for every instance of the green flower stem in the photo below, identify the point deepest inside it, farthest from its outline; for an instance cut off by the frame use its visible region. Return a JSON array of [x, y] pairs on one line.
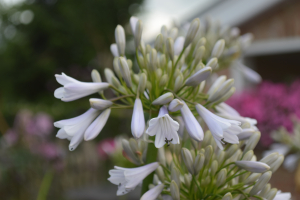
[[151, 157], [45, 185], [121, 97]]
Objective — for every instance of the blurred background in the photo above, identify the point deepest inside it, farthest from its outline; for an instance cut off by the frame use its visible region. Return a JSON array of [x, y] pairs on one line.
[[40, 38]]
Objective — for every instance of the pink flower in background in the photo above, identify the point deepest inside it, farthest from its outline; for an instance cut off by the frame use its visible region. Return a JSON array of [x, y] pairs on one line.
[[10, 137], [272, 104], [106, 147], [41, 124]]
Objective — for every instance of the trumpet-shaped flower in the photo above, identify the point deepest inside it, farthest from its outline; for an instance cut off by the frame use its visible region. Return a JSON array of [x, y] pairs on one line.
[[220, 128], [191, 124], [164, 127], [282, 196], [128, 179], [73, 129], [153, 193], [73, 89], [138, 119]]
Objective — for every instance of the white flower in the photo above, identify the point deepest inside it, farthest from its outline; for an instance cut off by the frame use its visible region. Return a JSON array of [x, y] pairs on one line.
[[153, 193], [282, 196], [73, 89], [291, 162], [219, 127], [249, 73], [73, 129], [191, 124], [128, 179], [164, 127], [114, 50], [96, 127], [138, 119]]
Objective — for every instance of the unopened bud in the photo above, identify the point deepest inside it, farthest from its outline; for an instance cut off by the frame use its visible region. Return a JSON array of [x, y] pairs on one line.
[[260, 184], [248, 156], [265, 191], [272, 193], [175, 105], [231, 150], [252, 166], [153, 59], [227, 196], [96, 76], [216, 85], [159, 41], [199, 53], [221, 177], [175, 176], [192, 32], [120, 39], [138, 33], [245, 134], [188, 160], [170, 48], [149, 85], [163, 99], [163, 81], [275, 165], [178, 83], [198, 77], [100, 104], [127, 149], [213, 62], [142, 83], [208, 154], [199, 163], [269, 159], [160, 173], [178, 45], [218, 48], [114, 50], [125, 72], [252, 142], [224, 88], [108, 75], [174, 191], [252, 178], [161, 156], [117, 67]]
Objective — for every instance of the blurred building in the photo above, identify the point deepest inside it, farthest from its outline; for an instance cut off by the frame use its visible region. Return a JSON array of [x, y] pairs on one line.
[[275, 25]]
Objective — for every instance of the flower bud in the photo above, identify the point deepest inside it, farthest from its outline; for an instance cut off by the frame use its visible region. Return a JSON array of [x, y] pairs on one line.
[[208, 154], [160, 173], [221, 177], [108, 75], [272, 193], [125, 72], [231, 150], [149, 85], [115, 82], [114, 50], [245, 134], [227, 196], [248, 156], [134, 146], [153, 193], [275, 165], [153, 59], [100, 104], [163, 99], [178, 82], [161, 156], [117, 67], [265, 191], [178, 45], [158, 73], [173, 33], [188, 160], [129, 153], [175, 176], [225, 96], [159, 42], [252, 178], [224, 88], [269, 159], [199, 163], [120, 39], [218, 48], [260, 184], [252, 166], [192, 32], [175, 105], [216, 85], [174, 191], [198, 77], [221, 157], [213, 62], [163, 81], [252, 142], [138, 119], [214, 167], [199, 53], [96, 76], [142, 83], [170, 48], [138, 33], [162, 61]]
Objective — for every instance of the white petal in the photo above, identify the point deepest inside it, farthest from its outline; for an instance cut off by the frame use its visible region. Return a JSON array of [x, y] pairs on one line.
[[192, 126], [75, 141], [282, 196], [64, 79], [138, 119], [133, 21], [226, 109], [59, 93], [95, 128], [249, 73], [61, 134], [153, 193]]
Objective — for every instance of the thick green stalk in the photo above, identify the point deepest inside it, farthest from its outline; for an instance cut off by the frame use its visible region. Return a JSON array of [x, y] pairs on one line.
[[151, 157]]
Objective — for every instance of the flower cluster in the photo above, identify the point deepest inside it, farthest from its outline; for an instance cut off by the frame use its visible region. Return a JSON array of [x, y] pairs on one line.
[[172, 81], [287, 143], [266, 104], [205, 172]]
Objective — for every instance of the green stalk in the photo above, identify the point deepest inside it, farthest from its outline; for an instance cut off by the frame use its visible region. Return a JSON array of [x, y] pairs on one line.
[[151, 157], [45, 185]]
